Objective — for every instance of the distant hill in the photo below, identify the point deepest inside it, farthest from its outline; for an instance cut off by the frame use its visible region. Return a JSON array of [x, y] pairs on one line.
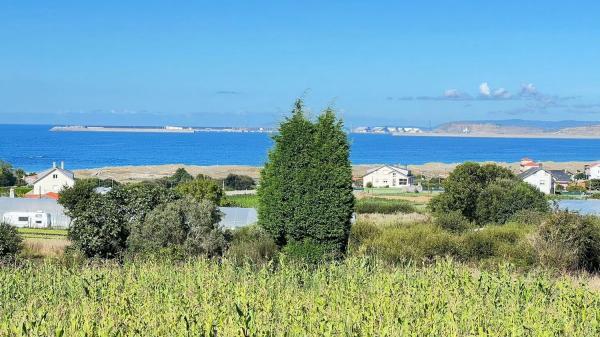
[[544, 125], [521, 127]]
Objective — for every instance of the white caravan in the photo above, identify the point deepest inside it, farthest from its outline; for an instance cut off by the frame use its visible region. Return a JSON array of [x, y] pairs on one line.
[[28, 219]]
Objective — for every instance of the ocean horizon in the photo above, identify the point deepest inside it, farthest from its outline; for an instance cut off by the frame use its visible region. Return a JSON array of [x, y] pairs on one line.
[[35, 147]]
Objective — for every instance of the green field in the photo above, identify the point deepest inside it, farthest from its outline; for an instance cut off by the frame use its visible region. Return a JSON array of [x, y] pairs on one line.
[[358, 297], [244, 200], [43, 233]]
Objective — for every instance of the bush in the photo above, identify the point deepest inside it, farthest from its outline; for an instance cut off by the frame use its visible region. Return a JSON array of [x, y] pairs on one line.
[[453, 222], [100, 229], [181, 226], [528, 217], [11, 242], [575, 188], [252, 244], [369, 185], [569, 241], [384, 206], [501, 199], [310, 252], [201, 188], [239, 182], [594, 196]]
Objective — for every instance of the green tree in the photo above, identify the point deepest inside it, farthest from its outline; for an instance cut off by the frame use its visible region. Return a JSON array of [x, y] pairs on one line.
[[183, 225], [11, 242], [463, 186], [202, 188], [306, 186], [7, 176], [100, 228], [503, 198], [239, 182], [74, 199]]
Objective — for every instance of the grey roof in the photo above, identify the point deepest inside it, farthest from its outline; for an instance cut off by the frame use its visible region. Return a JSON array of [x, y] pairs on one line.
[[560, 175], [400, 170], [43, 174], [530, 172]]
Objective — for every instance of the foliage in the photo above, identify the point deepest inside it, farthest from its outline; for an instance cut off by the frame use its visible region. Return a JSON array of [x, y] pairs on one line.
[[185, 225], [242, 200], [369, 185], [594, 196], [501, 199], [11, 242], [75, 199], [593, 184], [306, 185], [309, 252], [201, 188], [486, 194], [575, 188], [529, 217], [139, 199], [7, 176], [180, 176], [253, 244], [569, 241], [239, 182], [384, 206], [358, 297], [453, 222], [580, 176], [100, 228]]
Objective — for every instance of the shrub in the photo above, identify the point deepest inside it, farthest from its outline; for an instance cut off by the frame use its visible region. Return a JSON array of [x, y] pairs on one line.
[[569, 241], [239, 182], [180, 226], [201, 188], [594, 196], [369, 185], [463, 186], [310, 252], [100, 229], [575, 188], [384, 206], [501, 199], [453, 221], [11, 242], [252, 244], [528, 217]]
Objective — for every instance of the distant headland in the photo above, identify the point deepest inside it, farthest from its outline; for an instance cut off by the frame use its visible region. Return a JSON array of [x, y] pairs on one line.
[[148, 129]]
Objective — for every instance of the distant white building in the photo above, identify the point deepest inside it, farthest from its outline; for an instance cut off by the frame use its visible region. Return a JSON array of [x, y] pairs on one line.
[[389, 176], [52, 181], [593, 171], [539, 178]]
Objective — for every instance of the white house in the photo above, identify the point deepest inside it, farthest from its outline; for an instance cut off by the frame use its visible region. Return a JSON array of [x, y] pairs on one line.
[[539, 178], [593, 171], [389, 176], [52, 181]]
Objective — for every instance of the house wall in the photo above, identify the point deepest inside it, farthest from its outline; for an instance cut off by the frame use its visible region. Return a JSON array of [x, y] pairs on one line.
[[53, 182], [594, 172], [387, 177], [541, 180]]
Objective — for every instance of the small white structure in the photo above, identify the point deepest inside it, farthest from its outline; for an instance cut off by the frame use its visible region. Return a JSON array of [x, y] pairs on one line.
[[53, 180], [389, 176], [528, 164], [539, 178], [593, 171], [28, 219]]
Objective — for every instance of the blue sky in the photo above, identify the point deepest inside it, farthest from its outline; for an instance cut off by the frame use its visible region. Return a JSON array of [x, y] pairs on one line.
[[244, 62]]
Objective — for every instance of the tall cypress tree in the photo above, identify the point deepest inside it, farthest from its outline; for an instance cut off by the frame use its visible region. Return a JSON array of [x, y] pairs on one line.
[[306, 186], [281, 187]]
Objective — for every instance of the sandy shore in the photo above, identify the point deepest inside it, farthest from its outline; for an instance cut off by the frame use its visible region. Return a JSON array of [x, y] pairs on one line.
[[146, 172]]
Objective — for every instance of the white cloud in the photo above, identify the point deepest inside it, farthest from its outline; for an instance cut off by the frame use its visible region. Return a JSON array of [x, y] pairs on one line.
[[484, 89], [453, 93], [501, 93], [528, 90]]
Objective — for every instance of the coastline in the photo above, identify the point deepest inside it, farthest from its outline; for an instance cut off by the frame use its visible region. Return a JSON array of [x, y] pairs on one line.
[[497, 135], [147, 172]]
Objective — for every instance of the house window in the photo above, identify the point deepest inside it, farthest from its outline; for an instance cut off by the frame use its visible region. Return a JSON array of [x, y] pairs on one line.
[[542, 182], [55, 176], [403, 181], [23, 218]]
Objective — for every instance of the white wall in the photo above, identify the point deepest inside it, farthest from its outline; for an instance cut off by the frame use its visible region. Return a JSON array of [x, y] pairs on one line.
[[595, 172], [53, 182], [386, 176], [542, 180]]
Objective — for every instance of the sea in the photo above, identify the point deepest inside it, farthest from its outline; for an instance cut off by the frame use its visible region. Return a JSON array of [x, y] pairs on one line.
[[35, 147]]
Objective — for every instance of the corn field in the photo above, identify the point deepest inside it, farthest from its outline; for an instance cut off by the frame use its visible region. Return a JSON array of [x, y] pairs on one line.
[[358, 297]]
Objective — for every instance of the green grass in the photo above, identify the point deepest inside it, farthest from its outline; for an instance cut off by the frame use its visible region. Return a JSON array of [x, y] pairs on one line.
[[384, 206], [357, 297], [393, 191], [43, 233], [244, 200]]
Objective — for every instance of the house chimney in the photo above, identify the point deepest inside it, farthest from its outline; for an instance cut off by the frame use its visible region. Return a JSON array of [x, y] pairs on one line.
[[62, 165], [53, 164], [12, 192]]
